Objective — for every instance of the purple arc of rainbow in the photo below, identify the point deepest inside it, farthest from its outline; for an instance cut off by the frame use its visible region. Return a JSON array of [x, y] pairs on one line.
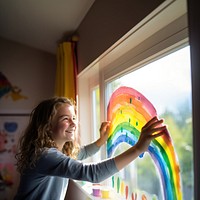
[[128, 110]]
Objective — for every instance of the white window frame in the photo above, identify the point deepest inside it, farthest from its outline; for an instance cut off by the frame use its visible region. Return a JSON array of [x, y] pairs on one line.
[[160, 33]]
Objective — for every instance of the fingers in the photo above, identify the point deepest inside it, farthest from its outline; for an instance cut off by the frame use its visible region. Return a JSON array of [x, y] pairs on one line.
[[157, 135], [154, 122], [154, 127], [103, 133], [104, 126]]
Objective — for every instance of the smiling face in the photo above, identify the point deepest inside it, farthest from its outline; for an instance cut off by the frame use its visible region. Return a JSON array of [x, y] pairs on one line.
[[63, 124]]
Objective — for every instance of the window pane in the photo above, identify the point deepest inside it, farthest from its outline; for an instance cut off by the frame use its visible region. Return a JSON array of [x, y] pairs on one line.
[[96, 118], [166, 83]]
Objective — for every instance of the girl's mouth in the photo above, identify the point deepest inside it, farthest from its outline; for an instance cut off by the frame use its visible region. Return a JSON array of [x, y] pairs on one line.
[[69, 131]]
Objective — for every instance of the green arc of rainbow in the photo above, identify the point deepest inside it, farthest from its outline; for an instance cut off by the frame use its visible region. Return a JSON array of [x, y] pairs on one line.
[[128, 110]]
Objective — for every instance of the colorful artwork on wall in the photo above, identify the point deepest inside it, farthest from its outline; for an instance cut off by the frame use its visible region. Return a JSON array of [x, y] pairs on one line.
[[128, 110], [7, 89], [10, 130]]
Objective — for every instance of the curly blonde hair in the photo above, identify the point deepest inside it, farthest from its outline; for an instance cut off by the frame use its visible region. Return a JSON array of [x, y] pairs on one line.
[[37, 135]]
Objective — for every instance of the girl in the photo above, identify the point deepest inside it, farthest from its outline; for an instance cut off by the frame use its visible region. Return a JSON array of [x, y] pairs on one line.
[[49, 153]]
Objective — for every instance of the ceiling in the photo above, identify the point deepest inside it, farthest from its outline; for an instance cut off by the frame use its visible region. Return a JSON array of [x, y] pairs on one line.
[[41, 23]]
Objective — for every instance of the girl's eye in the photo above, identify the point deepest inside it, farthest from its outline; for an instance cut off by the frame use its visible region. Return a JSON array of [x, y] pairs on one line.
[[66, 118]]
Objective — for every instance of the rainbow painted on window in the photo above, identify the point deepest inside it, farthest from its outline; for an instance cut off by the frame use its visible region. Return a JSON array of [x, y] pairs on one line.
[[128, 110]]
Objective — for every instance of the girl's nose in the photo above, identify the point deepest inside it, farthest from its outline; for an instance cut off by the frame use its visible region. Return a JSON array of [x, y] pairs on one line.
[[73, 122]]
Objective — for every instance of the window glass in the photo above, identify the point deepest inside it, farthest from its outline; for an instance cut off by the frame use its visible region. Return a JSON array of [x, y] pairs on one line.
[[96, 117], [166, 83]]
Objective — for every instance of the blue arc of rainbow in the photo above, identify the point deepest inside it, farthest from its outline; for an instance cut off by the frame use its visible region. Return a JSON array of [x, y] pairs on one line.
[[128, 110]]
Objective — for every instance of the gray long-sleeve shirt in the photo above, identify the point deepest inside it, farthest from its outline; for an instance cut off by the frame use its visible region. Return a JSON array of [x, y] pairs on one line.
[[49, 179]]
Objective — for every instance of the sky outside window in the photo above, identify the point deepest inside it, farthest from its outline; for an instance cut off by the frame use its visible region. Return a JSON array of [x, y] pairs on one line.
[[166, 83]]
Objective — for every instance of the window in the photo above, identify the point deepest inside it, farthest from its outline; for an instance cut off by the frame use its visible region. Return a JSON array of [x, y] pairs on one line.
[[96, 118], [166, 83], [160, 38]]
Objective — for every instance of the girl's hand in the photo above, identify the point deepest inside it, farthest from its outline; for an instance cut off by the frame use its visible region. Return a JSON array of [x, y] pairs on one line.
[[151, 130], [103, 133]]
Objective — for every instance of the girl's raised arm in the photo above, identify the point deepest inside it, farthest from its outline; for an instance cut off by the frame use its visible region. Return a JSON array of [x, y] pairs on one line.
[[151, 130]]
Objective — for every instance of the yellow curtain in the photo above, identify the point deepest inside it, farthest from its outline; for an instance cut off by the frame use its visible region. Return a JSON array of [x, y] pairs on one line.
[[65, 85]]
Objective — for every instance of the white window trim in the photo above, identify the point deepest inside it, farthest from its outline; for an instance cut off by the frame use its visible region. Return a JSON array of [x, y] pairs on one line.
[[163, 30]]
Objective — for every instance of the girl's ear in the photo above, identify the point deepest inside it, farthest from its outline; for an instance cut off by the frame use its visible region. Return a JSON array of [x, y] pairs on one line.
[[49, 129]]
